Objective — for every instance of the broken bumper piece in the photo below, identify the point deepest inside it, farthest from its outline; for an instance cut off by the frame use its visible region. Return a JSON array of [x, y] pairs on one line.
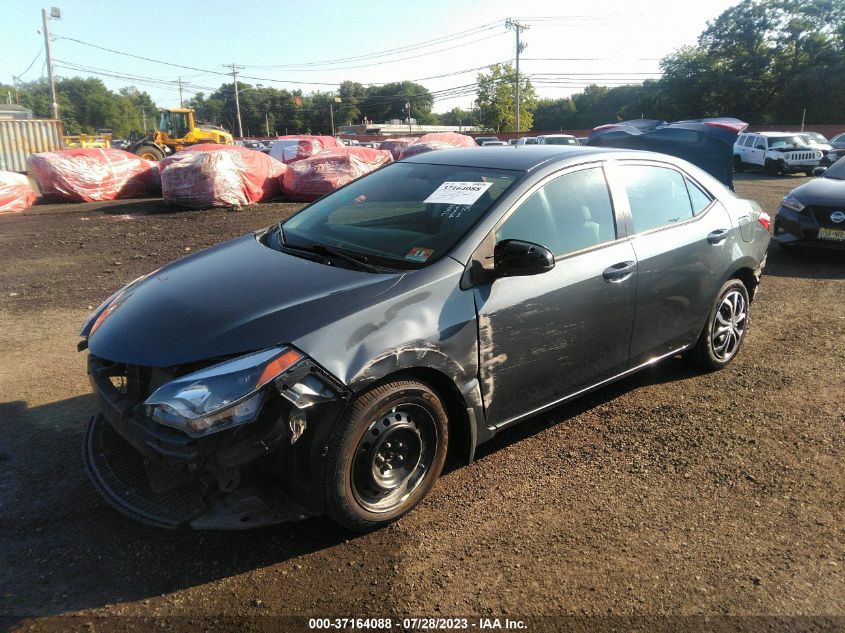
[[120, 474]]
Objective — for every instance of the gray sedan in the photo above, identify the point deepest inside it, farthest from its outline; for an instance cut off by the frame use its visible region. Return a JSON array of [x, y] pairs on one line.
[[326, 364]]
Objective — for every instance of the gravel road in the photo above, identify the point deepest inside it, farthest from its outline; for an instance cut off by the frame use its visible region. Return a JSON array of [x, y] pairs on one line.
[[671, 493]]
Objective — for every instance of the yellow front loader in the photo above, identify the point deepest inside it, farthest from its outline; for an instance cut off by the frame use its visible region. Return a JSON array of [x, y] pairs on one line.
[[177, 130]]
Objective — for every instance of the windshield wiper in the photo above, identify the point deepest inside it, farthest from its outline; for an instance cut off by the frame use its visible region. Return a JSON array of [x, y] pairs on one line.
[[357, 262]]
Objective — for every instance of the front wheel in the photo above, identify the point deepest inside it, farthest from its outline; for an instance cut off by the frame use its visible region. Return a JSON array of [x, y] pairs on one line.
[[385, 454], [150, 152], [771, 168], [725, 329]]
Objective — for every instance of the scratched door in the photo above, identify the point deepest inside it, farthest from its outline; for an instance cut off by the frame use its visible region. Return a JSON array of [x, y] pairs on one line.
[[544, 337]]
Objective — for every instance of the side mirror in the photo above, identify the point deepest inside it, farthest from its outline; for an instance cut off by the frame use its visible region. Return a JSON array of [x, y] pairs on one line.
[[515, 258], [819, 171]]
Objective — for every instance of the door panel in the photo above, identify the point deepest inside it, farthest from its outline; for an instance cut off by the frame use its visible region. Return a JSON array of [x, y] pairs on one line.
[[679, 259], [543, 337]]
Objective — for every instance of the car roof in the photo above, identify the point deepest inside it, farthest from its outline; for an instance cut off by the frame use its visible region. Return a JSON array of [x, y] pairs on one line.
[[521, 158], [556, 136], [774, 133]]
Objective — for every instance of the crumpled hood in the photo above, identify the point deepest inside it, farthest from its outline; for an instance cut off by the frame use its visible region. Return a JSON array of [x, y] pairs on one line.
[[233, 298], [823, 192]]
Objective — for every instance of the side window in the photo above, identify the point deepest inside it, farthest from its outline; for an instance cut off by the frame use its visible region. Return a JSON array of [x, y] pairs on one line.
[[749, 141], [760, 143], [657, 195], [565, 215], [698, 198]]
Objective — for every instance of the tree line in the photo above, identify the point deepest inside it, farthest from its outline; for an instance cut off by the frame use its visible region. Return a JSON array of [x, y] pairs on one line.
[[763, 61]]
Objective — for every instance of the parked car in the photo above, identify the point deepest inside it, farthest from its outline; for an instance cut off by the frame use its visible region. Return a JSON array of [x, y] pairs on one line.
[[819, 142], [492, 143], [483, 139], [814, 213], [557, 139], [775, 153], [838, 141], [326, 364], [513, 141], [527, 140]]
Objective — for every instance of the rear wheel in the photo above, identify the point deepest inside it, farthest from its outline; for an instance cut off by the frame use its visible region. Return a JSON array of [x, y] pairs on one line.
[[150, 152], [385, 454], [725, 329]]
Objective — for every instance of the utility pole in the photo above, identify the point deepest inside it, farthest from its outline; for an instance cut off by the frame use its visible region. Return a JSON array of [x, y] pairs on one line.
[[144, 116], [331, 111], [267, 124], [15, 85], [55, 14], [237, 101], [520, 46], [180, 93], [408, 106]]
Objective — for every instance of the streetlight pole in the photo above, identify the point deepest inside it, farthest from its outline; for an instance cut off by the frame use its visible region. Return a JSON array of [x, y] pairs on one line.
[[55, 14], [520, 46]]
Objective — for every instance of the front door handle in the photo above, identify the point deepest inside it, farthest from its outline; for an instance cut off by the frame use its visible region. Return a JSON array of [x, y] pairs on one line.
[[718, 236], [619, 272]]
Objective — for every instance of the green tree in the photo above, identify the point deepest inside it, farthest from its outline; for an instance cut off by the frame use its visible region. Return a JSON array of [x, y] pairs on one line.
[[554, 114], [495, 99]]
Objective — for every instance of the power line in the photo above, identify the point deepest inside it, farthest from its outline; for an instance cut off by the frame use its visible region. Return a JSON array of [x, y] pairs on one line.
[[402, 49], [34, 59]]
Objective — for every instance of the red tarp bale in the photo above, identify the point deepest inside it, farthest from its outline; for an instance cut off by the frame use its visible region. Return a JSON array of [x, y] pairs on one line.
[[92, 175], [437, 140], [16, 194], [396, 145], [308, 179], [294, 147], [211, 175]]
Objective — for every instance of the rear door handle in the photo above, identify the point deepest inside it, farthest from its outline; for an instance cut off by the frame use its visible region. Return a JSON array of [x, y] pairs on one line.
[[718, 236], [619, 272]]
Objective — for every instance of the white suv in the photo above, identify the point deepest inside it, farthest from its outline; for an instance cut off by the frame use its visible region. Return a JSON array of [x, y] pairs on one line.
[[775, 153]]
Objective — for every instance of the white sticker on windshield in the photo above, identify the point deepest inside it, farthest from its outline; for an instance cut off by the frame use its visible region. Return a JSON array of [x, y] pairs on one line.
[[458, 193]]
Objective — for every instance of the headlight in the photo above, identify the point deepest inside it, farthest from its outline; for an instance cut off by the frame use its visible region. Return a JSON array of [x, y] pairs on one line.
[[222, 396], [793, 204]]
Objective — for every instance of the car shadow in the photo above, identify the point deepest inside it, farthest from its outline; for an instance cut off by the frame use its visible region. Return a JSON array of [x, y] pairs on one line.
[[669, 370], [805, 262], [64, 549]]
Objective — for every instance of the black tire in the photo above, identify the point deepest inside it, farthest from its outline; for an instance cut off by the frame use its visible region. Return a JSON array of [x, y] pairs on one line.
[[707, 354], [808, 172], [771, 167], [406, 413], [150, 152], [737, 165]]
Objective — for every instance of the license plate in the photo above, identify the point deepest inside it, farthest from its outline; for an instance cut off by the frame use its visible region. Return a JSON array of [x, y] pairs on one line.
[[832, 234]]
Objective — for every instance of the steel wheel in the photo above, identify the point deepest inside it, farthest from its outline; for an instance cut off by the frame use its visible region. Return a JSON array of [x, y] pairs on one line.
[[729, 327], [384, 454], [393, 457]]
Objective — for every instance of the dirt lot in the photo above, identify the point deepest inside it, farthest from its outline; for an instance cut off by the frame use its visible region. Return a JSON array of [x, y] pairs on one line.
[[670, 493]]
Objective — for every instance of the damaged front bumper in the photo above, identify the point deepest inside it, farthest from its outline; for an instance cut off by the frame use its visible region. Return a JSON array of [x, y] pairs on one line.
[[261, 473]]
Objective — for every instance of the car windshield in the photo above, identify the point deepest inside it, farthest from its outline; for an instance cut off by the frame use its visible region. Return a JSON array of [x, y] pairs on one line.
[[783, 141], [406, 215], [815, 136], [560, 140], [837, 170]]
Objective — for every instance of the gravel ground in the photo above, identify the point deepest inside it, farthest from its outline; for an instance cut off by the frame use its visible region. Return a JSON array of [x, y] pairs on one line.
[[671, 493]]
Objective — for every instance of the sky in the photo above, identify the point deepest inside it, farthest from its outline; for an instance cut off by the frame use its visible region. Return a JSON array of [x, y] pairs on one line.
[[315, 45]]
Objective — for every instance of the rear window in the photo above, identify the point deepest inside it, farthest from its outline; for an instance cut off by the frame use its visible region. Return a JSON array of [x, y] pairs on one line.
[[658, 196]]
